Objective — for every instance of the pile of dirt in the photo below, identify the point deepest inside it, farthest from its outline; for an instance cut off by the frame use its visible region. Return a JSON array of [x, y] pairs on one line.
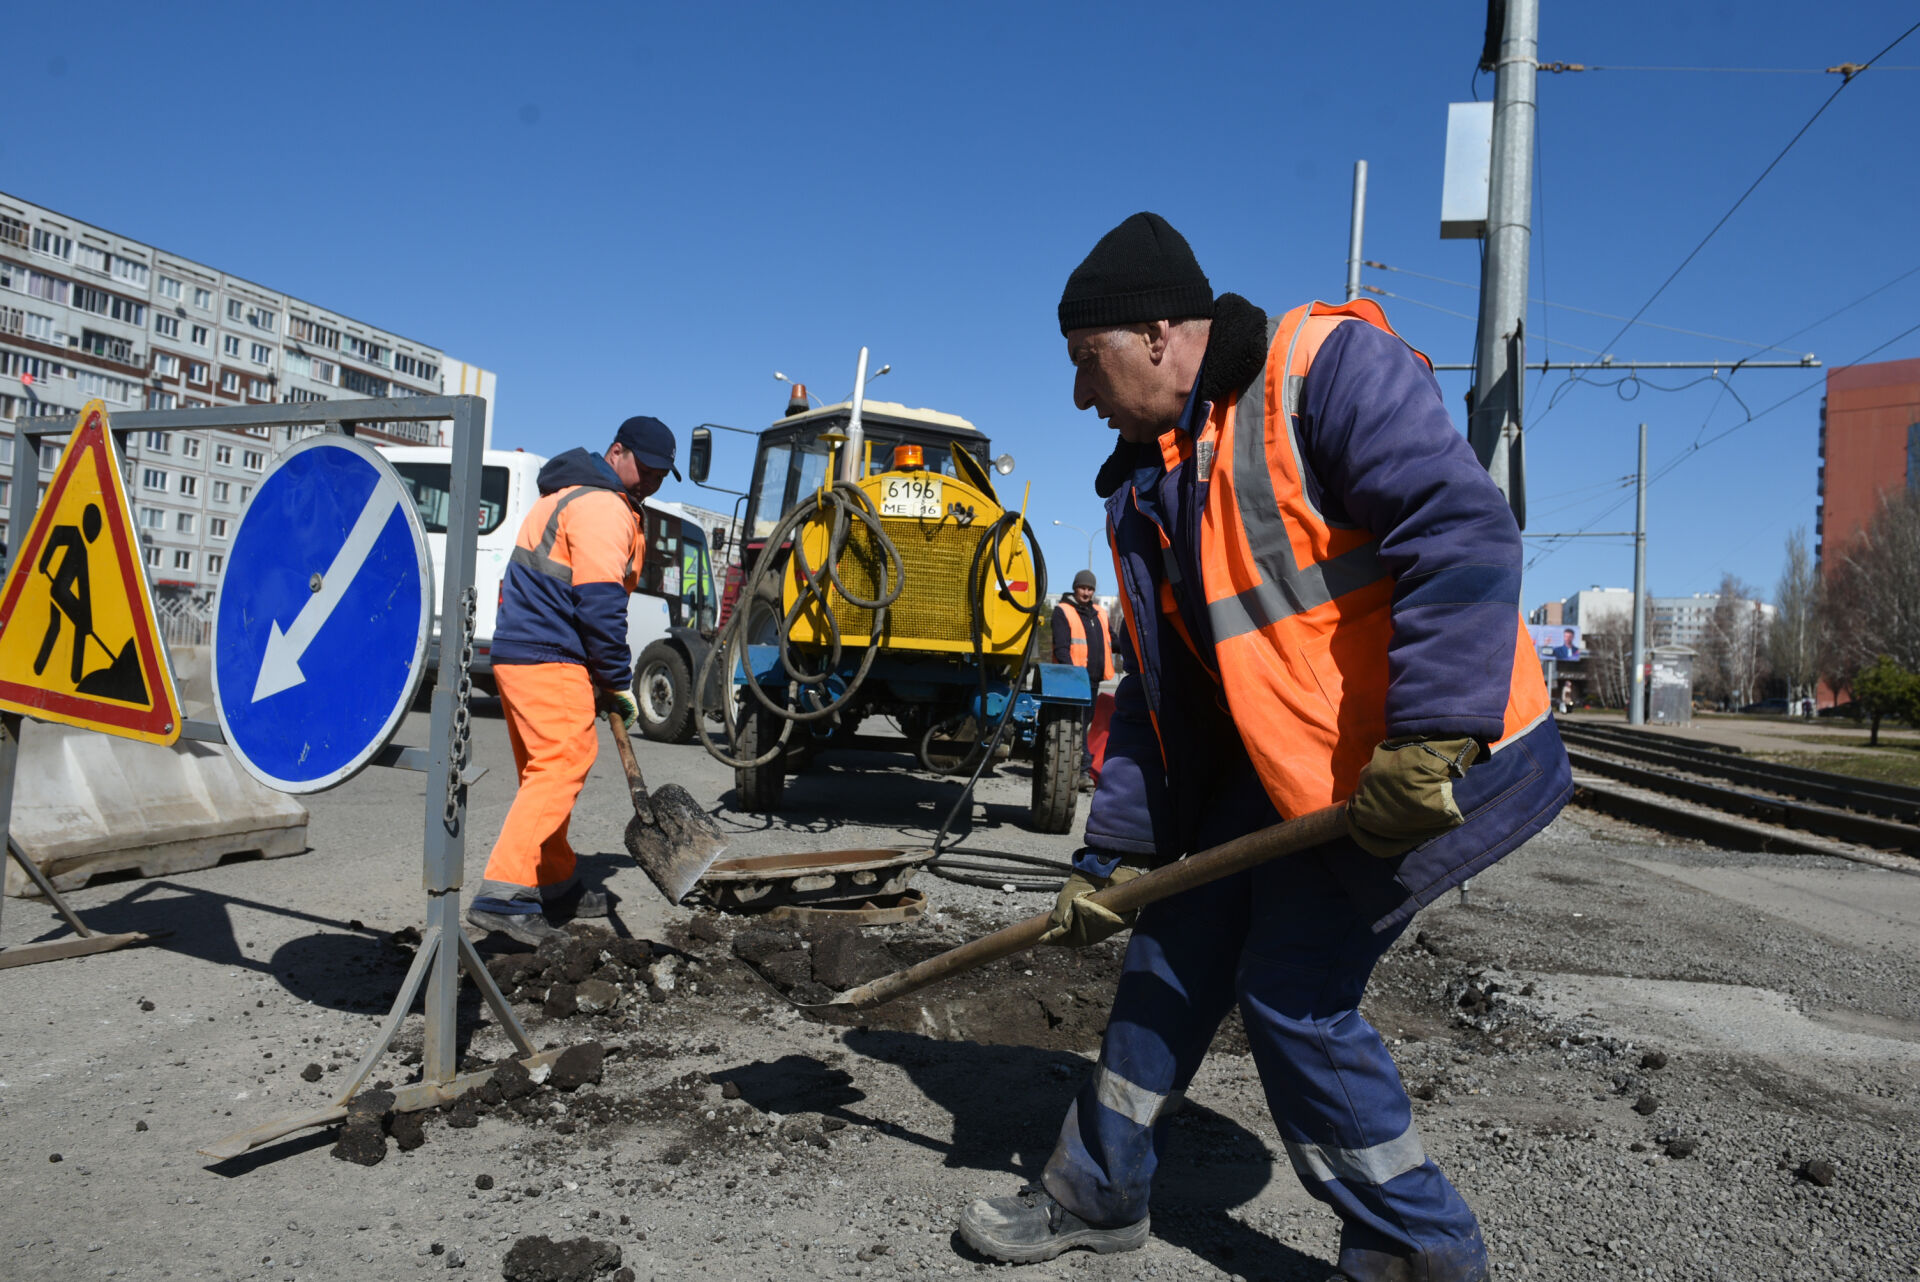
[[586, 971], [538, 1258]]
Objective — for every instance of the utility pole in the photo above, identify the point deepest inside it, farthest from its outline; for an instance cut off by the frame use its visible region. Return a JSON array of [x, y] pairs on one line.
[[1636, 705], [1500, 357], [1359, 228]]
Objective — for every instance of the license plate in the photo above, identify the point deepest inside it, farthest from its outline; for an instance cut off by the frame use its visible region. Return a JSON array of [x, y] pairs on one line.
[[916, 497]]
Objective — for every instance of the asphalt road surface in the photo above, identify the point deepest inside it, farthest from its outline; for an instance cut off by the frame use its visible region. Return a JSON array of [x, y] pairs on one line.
[[1637, 1058]]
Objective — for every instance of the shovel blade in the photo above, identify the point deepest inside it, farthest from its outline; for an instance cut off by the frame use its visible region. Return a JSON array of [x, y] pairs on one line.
[[675, 850]]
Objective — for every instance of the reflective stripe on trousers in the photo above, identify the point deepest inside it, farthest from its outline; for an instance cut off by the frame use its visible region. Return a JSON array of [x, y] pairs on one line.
[[1286, 941]]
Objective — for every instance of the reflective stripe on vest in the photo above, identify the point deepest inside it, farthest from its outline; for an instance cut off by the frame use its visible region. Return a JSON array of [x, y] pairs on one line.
[[1077, 640], [540, 559], [1300, 606]]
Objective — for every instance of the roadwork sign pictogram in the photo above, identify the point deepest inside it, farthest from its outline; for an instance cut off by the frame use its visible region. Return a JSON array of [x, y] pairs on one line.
[[78, 641]]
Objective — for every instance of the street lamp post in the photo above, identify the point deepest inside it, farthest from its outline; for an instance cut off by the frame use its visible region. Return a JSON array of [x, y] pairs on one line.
[[1078, 530]]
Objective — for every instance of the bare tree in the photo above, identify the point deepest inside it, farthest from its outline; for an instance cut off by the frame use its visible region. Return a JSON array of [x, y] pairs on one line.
[[1794, 640], [1872, 590], [1733, 654]]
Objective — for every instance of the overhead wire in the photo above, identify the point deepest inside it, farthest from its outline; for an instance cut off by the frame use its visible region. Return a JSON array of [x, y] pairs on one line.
[[1755, 184]]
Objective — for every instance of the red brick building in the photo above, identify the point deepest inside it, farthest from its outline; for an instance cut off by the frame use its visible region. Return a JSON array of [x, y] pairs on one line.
[[1869, 444]]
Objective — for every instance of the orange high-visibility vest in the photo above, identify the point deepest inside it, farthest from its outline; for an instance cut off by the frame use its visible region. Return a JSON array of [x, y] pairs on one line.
[[1301, 609], [1077, 640]]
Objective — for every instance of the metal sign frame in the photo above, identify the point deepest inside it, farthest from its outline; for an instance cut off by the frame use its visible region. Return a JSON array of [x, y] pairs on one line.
[[416, 667], [444, 949]]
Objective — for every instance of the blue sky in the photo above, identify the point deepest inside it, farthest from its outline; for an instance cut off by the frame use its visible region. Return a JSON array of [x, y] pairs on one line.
[[649, 209]]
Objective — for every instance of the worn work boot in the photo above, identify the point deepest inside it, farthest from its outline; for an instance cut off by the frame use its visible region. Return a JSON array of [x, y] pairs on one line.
[[1031, 1226], [518, 919], [579, 902]]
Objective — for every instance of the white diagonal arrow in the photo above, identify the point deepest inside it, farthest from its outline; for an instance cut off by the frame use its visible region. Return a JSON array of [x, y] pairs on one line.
[[280, 665]]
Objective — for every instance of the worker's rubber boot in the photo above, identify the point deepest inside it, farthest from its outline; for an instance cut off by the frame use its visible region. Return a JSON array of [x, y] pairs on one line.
[[518, 919], [1031, 1226]]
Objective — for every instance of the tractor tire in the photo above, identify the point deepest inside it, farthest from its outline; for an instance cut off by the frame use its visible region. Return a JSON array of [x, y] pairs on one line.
[[663, 689], [759, 788], [1056, 775]]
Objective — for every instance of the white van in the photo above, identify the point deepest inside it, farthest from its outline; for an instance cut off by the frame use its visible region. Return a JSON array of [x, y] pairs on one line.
[[670, 618]]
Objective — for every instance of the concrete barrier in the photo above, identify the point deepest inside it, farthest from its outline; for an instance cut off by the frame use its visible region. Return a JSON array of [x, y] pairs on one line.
[[86, 804]]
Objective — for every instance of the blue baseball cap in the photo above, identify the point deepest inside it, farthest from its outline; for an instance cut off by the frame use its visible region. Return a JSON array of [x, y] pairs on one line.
[[650, 441]]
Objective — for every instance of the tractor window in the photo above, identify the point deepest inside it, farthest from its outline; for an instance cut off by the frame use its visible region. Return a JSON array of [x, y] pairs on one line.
[[812, 470], [771, 503]]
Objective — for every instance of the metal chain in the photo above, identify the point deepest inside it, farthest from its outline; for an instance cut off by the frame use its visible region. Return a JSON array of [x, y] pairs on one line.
[[461, 747]]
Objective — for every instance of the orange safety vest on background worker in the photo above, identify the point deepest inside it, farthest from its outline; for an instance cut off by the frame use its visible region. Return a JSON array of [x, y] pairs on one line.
[[1300, 608], [1077, 639]]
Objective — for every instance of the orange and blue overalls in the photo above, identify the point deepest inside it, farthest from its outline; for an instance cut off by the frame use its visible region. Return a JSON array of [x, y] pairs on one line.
[[1313, 561], [561, 632]]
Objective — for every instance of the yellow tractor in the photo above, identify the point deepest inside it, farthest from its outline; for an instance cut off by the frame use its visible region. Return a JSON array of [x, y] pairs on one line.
[[881, 578]]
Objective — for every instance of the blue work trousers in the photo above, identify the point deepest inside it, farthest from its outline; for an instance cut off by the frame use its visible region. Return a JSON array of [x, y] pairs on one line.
[[1292, 944]]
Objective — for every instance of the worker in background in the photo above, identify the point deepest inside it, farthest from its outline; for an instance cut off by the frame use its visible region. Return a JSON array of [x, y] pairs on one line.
[[1080, 637], [559, 654], [1322, 588]]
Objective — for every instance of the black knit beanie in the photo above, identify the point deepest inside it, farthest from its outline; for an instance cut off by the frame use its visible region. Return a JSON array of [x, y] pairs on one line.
[[1142, 270]]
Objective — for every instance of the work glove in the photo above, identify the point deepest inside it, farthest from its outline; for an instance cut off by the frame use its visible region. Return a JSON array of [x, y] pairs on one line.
[[621, 702], [1076, 921], [1405, 794]]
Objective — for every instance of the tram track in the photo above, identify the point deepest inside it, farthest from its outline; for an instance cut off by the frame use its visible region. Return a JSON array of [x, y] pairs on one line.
[[1720, 795]]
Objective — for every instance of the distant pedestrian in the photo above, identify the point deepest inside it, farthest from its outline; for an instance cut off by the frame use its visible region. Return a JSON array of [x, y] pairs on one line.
[[1080, 637]]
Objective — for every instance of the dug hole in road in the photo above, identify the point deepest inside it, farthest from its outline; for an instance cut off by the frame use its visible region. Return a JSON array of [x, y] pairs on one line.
[[1636, 1057]]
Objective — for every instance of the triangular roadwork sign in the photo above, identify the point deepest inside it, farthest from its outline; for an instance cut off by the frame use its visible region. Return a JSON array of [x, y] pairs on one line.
[[78, 640]]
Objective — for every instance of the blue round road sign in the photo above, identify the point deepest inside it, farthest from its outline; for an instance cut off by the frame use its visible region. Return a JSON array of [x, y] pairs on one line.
[[323, 616]]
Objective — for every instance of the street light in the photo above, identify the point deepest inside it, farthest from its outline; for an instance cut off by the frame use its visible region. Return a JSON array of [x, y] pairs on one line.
[[1089, 542]]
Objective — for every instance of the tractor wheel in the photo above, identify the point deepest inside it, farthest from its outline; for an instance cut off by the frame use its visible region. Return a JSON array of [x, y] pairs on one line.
[[1056, 775], [663, 689], [759, 787]]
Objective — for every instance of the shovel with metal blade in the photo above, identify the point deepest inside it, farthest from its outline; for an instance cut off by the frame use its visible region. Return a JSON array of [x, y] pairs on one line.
[[672, 839]]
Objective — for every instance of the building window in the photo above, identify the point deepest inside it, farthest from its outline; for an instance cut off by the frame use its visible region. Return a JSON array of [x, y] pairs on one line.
[[183, 522], [130, 270], [52, 244], [261, 354], [297, 363], [326, 372], [111, 346], [118, 390], [234, 308], [197, 373], [160, 442], [154, 479], [365, 384], [152, 554], [160, 400], [50, 459], [229, 382], [215, 562], [217, 527], [203, 298], [259, 389], [13, 231], [182, 559], [303, 330], [252, 460], [6, 450], [246, 492], [264, 433], [189, 447], [34, 325], [230, 344], [168, 287], [302, 396], [189, 486], [153, 518], [261, 318], [102, 303], [166, 326], [91, 257], [221, 491], [199, 335], [166, 366], [223, 455]]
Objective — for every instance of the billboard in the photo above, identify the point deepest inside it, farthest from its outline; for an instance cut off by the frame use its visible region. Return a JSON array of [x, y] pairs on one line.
[[1558, 641]]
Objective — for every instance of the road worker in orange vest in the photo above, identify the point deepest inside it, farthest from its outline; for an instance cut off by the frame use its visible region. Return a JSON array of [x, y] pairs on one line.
[[1321, 588], [559, 655], [1080, 638]]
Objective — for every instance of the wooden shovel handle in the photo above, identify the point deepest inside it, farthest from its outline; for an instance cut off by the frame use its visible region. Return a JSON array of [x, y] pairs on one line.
[[642, 803], [1291, 837]]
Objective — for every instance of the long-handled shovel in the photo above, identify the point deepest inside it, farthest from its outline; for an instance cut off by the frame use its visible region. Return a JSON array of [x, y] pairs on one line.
[[669, 836], [1291, 837]]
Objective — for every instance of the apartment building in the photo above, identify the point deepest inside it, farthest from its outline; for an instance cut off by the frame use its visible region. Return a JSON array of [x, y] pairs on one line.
[[85, 313]]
